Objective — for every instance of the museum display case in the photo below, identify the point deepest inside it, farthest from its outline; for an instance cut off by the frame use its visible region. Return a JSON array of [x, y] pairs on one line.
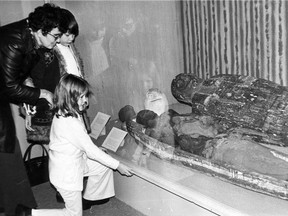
[[168, 187]]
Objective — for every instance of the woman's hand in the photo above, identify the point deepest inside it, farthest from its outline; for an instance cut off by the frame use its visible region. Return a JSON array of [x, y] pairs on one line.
[[124, 170], [47, 95]]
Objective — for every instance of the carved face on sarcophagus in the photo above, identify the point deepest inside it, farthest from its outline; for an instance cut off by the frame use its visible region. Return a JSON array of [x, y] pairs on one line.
[[256, 107]]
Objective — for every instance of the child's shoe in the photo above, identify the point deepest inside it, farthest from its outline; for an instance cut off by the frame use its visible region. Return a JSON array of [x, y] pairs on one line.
[[87, 204]]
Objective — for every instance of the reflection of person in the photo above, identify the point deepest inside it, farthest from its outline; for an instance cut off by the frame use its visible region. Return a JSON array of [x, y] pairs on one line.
[[18, 44], [96, 45], [73, 155], [123, 45], [133, 42], [144, 76], [64, 58], [100, 61], [133, 55]]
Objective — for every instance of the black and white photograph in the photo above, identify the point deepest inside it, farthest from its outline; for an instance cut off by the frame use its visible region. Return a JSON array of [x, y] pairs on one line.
[[143, 108]]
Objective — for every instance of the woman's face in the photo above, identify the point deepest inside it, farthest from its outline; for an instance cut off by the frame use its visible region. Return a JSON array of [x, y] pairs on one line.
[[50, 39], [67, 39], [147, 83], [83, 102]]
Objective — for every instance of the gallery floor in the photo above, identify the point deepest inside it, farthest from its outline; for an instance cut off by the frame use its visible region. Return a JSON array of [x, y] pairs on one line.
[[45, 197]]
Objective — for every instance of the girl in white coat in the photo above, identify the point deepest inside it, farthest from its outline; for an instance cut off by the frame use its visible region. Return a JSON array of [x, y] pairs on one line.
[[73, 155]]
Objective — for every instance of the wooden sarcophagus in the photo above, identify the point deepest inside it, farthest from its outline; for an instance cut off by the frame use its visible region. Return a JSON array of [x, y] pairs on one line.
[[256, 106], [245, 116]]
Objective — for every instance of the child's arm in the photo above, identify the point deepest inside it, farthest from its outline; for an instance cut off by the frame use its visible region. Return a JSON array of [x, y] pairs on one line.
[[74, 131]]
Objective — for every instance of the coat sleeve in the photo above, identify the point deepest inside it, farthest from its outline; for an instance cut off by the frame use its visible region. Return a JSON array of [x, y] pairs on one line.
[[77, 136], [12, 59]]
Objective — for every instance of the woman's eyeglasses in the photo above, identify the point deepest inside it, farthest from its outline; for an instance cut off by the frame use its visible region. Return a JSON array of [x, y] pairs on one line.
[[56, 37]]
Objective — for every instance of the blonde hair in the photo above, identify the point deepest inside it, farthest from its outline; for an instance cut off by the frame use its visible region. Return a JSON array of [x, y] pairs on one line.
[[67, 93]]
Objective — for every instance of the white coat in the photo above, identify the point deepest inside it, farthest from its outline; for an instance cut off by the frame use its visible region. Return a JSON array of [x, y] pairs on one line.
[[70, 149]]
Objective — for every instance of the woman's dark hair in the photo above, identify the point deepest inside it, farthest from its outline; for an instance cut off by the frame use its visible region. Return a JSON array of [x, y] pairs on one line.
[[67, 93], [68, 22], [46, 18]]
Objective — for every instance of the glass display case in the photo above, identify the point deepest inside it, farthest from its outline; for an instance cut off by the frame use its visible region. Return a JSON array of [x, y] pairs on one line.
[[167, 187]]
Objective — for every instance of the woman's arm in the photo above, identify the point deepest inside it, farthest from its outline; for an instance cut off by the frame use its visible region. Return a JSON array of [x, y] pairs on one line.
[[13, 60], [13, 74]]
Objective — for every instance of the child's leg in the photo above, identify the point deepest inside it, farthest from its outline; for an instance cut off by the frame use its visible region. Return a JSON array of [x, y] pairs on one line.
[[73, 205], [73, 201], [100, 183]]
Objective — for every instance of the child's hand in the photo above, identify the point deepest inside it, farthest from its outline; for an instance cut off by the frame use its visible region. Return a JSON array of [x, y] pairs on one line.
[[103, 149], [124, 170], [28, 123]]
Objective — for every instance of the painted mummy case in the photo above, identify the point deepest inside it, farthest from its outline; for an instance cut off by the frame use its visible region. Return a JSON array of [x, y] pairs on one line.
[[256, 107]]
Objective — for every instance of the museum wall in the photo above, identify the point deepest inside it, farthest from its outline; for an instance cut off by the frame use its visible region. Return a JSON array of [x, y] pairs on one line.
[[236, 37], [128, 47], [16, 10]]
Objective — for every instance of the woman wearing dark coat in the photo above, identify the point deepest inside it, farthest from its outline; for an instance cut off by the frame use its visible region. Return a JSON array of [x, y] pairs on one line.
[[18, 44]]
